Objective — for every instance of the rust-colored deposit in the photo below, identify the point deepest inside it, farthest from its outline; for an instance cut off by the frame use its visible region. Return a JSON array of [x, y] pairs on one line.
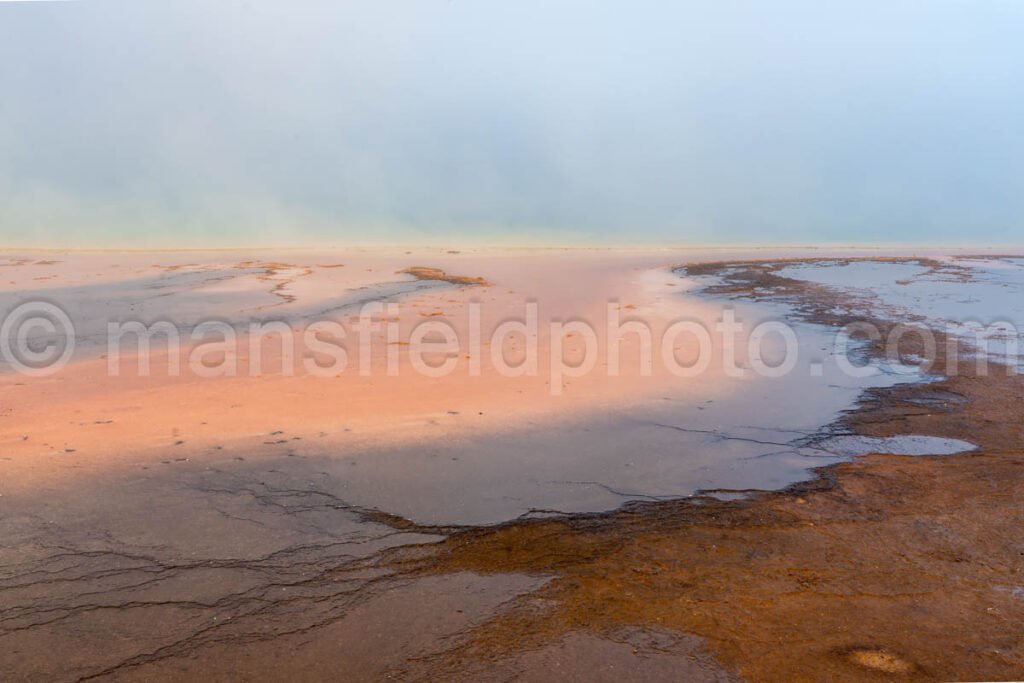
[[427, 273]]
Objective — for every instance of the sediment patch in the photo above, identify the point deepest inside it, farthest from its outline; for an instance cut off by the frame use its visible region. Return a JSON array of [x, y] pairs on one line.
[[425, 273]]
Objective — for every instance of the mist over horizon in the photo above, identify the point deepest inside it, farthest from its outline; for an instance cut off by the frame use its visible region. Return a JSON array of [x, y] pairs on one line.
[[262, 123]]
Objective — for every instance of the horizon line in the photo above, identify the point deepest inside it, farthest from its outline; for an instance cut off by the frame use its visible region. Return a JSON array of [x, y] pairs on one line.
[[874, 246]]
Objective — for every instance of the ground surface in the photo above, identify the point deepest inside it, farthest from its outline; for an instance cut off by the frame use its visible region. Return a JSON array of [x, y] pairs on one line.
[[239, 554]]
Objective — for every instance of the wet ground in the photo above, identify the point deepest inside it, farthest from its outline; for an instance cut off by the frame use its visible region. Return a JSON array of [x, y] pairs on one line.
[[963, 294], [294, 549]]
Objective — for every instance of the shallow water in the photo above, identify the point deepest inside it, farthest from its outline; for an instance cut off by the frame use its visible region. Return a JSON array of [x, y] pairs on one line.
[[992, 294], [910, 444], [713, 432], [732, 434], [234, 295]]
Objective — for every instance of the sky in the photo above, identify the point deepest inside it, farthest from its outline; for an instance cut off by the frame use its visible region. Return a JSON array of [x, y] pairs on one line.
[[248, 122]]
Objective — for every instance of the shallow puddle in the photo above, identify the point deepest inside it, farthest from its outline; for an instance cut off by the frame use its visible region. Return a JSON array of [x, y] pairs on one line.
[[853, 445]]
